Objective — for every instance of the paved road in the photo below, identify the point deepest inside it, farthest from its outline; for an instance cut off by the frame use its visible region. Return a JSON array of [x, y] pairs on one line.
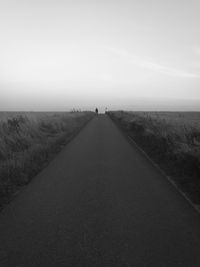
[[99, 203]]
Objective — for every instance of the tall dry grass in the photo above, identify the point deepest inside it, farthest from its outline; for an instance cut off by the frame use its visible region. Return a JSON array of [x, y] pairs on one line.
[[27, 142], [172, 139]]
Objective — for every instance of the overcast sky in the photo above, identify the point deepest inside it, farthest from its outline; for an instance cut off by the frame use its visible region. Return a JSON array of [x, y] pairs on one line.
[[56, 54]]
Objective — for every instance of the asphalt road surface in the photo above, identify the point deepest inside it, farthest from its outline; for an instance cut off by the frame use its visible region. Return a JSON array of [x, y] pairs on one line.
[[100, 202]]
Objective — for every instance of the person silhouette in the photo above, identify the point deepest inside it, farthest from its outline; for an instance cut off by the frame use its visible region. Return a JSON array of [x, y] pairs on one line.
[[96, 110]]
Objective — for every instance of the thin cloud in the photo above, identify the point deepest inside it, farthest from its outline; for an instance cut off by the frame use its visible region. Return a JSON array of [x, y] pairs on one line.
[[150, 64]]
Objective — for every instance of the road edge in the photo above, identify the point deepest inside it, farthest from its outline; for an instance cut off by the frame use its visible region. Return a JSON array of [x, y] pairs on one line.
[[169, 179], [59, 147]]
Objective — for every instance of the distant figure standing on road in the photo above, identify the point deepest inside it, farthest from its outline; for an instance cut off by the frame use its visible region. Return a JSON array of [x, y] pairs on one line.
[[96, 110]]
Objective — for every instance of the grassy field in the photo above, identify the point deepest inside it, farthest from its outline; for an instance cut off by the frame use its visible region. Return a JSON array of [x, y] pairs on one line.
[[172, 140], [28, 140]]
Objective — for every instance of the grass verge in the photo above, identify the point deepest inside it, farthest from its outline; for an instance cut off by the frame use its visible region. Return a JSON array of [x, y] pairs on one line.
[[28, 141], [172, 140]]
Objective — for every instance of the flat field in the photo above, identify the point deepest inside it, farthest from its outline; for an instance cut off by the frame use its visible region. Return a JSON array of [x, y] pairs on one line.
[[28, 140], [172, 140]]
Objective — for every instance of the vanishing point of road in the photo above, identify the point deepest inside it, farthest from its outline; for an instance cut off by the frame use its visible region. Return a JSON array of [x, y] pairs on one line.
[[100, 202]]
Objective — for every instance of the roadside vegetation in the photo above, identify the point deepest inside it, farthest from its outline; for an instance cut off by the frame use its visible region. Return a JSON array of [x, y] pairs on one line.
[[28, 140], [172, 140]]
